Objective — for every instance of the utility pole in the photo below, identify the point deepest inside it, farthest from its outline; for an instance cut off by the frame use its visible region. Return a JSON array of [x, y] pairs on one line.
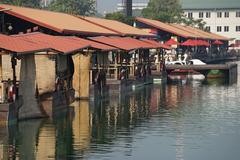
[[128, 8]]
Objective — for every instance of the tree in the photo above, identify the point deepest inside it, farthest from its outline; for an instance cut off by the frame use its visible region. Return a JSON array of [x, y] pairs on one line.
[[164, 10], [77, 7], [170, 11], [119, 16], [26, 3]]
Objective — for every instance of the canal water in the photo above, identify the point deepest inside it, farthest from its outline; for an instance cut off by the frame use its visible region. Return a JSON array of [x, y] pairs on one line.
[[184, 120]]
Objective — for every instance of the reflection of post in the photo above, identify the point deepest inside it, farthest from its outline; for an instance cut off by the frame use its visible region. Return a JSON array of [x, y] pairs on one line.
[[46, 138], [26, 135], [82, 124]]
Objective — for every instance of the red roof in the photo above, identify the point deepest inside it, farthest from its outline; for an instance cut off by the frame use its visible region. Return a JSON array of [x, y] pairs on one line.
[[59, 22], [171, 42], [16, 45], [57, 43], [156, 43], [138, 43], [217, 42], [92, 44], [118, 42], [203, 43], [189, 42]]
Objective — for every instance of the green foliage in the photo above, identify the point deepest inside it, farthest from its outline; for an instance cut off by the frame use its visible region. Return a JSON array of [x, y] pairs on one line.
[[119, 16], [170, 11], [164, 10], [199, 23], [26, 3], [77, 7]]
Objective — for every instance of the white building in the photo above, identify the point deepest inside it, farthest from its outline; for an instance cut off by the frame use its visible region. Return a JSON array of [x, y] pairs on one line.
[[135, 6], [221, 16], [45, 3]]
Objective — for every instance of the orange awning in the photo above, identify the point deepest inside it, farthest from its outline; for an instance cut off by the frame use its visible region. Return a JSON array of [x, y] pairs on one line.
[[57, 43], [156, 43], [118, 27], [94, 45], [16, 45], [124, 43], [56, 21], [171, 42]]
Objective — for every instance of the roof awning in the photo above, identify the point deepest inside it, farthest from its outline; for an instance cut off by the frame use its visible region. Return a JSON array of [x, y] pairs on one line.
[[94, 45], [180, 30], [171, 42], [57, 43], [217, 42], [116, 26], [56, 21], [160, 45], [124, 43], [19, 46]]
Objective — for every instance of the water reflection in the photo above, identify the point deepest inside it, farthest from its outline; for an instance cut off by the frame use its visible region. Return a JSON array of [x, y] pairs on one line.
[[155, 121]]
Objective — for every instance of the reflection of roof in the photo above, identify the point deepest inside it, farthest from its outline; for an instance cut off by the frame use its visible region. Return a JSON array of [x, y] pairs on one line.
[[59, 22], [119, 27], [57, 43], [179, 30], [210, 4], [124, 43], [15, 45]]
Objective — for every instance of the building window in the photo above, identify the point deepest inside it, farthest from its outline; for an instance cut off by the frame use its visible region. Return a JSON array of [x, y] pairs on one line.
[[226, 14], [219, 28], [190, 14], [226, 28], [219, 14], [208, 28], [237, 28], [200, 14], [208, 14], [238, 14]]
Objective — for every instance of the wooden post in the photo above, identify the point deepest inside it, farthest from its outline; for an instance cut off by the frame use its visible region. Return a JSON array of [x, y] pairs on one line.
[[81, 78], [1, 76]]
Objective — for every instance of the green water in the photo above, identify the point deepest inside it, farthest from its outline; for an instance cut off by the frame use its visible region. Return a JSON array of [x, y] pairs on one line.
[[182, 121]]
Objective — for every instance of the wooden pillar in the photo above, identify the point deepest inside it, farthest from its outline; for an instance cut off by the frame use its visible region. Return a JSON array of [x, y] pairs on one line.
[[1, 76], [81, 77]]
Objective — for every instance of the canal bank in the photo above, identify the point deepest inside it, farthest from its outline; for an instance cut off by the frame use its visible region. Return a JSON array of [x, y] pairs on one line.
[[179, 121]]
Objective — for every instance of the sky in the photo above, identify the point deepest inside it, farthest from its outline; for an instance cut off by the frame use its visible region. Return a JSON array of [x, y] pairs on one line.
[[111, 5]]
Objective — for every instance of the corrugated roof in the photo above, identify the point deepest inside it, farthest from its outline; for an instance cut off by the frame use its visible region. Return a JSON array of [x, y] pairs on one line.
[[93, 44], [59, 22], [57, 43], [210, 4], [166, 27], [119, 27], [212, 36], [194, 32], [124, 43], [182, 31], [156, 43], [16, 45]]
